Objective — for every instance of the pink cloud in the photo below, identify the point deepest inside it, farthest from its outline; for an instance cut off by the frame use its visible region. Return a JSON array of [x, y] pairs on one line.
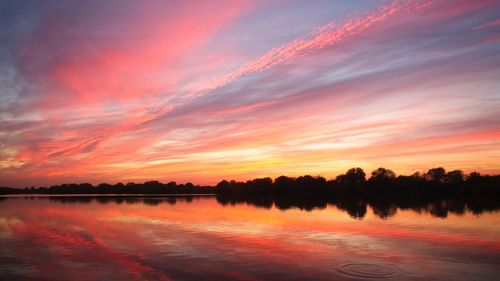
[[89, 70], [323, 36], [488, 24]]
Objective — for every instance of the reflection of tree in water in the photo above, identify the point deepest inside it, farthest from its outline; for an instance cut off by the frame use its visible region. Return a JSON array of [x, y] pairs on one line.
[[150, 201], [357, 208], [383, 209]]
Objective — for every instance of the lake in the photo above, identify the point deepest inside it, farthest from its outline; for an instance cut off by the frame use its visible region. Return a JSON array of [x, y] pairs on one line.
[[197, 238]]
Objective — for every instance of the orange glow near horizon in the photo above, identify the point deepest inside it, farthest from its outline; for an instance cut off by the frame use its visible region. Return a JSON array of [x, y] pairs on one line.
[[200, 92]]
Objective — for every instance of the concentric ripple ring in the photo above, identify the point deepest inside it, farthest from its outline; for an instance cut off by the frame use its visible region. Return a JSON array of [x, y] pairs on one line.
[[368, 270]]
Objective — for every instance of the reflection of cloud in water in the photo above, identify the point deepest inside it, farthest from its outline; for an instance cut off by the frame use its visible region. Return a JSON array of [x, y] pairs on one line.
[[206, 240], [6, 223]]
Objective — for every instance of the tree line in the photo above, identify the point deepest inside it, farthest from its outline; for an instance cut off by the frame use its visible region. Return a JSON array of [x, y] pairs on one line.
[[382, 181], [149, 187]]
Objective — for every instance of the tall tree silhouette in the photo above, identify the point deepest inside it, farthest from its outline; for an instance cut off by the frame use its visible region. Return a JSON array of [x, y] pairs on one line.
[[352, 177], [382, 175]]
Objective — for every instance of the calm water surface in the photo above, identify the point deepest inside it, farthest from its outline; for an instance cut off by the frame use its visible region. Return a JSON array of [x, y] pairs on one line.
[[199, 239]]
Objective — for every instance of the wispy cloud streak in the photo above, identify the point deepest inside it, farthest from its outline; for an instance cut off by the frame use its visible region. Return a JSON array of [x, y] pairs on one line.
[[323, 36]]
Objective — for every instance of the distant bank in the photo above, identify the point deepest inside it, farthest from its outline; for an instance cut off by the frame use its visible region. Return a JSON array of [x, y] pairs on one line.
[[381, 182]]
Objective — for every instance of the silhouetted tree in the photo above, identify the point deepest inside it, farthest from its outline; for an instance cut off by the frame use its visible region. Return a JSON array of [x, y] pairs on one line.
[[283, 182], [352, 176], [455, 177], [223, 184], [436, 175], [474, 178], [382, 175]]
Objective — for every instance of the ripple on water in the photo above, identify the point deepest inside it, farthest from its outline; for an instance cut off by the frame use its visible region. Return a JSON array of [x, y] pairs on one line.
[[368, 270]]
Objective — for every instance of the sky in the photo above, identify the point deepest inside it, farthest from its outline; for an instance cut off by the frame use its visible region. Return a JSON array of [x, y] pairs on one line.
[[200, 91]]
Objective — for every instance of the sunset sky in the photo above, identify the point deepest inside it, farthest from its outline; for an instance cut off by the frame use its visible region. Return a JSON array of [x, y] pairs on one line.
[[120, 91]]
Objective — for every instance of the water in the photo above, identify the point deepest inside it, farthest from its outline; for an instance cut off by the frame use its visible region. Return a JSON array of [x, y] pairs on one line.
[[186, 238]]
